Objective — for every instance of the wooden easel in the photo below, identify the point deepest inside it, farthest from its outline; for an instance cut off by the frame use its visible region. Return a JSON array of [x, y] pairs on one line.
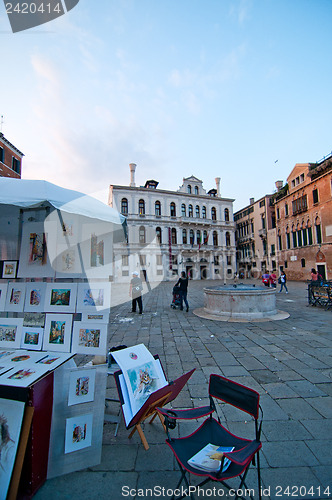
[[150, 411]]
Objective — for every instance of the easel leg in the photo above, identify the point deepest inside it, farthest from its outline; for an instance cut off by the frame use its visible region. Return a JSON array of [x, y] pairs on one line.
[[139, 429]]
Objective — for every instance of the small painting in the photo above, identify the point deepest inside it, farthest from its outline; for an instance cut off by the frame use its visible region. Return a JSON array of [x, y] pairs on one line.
[[57, 334], [81, 386], [93, 297], [22, 375], [9, 269], [34, 320], [10, 332], [35, 297], [15, 297], [97, 317], [89, 338], [61, 297], [32, 338], [37, 249], [53, 359], [78, 432], [34, 254]]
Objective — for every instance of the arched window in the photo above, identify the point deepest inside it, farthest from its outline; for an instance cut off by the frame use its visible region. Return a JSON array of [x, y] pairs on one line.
[[213, 213], [141, 207], [158, 235], [198, 235], [226, 212], [294, 236], [228, 239], [124, 206], [318, 231], [205, 238], [189, 189], [191, 236], [204, 212], [184, 236], [196, 190], [215, 238], [157, 208], [197, 211], [183, 210], [141, 235], [172, 209], [173, 233], [190, 210], [288, 238]]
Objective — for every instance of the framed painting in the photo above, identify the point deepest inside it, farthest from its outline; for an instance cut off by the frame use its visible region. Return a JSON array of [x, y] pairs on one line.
[[10, 332], [34, 319], [96, 249], [92, 297], [97, 317], [60, 297], [23, 375], [53, 359], [81, 386], [57, 333], [67, 262], [34, 257], [4, 353], [3, 294], [89, 338], [15, 297], [9, 269], [10, 429], [34, 297], [78, 434], [32, 338], [23, 356]]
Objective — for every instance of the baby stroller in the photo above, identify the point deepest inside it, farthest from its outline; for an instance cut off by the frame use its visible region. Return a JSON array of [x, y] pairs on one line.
[[176, 302]]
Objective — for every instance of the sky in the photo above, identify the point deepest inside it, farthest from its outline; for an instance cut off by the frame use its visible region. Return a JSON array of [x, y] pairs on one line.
[[237, 89]]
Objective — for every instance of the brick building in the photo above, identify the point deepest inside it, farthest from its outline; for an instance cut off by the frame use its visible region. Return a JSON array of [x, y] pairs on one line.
[[10, 159], [303, 209]]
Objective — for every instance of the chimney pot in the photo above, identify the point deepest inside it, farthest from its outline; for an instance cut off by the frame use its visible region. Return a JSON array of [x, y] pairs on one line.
[[251, 201], [217, 179], [132, 167]]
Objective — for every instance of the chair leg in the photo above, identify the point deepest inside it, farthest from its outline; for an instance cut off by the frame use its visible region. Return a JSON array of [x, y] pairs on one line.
[[259, 477]]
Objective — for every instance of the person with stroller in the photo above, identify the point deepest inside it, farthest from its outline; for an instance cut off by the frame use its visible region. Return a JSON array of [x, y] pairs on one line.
[[183, 289]]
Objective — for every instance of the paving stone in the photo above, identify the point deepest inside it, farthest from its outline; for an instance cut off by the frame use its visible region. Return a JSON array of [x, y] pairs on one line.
[[299, 409], [285, 431], [304, 388]]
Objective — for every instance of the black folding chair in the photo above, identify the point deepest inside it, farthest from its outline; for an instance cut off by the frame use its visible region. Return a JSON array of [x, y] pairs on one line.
[[211, 431]]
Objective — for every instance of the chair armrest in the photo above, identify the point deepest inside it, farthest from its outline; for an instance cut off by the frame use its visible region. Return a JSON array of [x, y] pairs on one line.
[[188, 414], [245, 454]]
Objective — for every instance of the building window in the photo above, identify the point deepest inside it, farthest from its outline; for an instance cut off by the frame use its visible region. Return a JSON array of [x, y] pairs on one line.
[[184, 236], [205, 238], [173, 233], [16, 165], [229, 260], [196, 190], [302, 262], [2, 155], [159, 260], [189, 189], [141, 235], [280, 242], [204, 212], [125, 272], [124, 206], [228, 239], [300, 205], [226, 212], [273, 249], [318, 234], [286, 210], [304, 237], [172, 209], [213, 213], [190, 211], [197, 211], [215, 238], [278, 213], [157, 208], [310, 235], [216, 260], [159, 235], [198, 235], [183, 210], [191, 236], [315, 196], [294, 239], [299, 237], [125, 260], [285, 264], [263, 222], [142, 260], [141, 207]]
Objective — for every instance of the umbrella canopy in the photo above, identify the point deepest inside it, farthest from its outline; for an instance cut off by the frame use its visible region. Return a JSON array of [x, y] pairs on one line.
[[33, 193]]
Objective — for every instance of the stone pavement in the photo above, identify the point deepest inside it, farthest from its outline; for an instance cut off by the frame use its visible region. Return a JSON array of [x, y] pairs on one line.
[[288, 362]]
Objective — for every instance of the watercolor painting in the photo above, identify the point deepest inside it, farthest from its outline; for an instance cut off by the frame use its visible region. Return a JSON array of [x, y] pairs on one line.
[[78, 432], [61, 297], [32, 338], [57, 334], [81, 386], [9, 269], [15, 297], [10, 332], [22, 375], [93, 297], [89, 338], [35, 297], [11, 417]]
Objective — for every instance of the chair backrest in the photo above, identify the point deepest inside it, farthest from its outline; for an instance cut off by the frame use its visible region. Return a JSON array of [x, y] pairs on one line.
[[234, 394]]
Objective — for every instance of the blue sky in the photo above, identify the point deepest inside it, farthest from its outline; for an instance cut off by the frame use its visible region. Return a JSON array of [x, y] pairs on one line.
[[215, 88]]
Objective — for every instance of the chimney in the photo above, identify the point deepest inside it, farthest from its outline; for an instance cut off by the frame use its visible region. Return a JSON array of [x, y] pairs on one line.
[[279, 185], [251, 201], [217, 179], [132, 167]]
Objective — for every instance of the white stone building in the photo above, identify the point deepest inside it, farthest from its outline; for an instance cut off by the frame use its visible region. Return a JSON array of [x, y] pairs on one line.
[[187, 230]]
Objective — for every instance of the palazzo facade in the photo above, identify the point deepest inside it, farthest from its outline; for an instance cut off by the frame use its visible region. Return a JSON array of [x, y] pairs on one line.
[[187, 230]]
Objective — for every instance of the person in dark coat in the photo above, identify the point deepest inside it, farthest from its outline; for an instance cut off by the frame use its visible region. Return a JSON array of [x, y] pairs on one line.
[[135, 291], [183, 289]]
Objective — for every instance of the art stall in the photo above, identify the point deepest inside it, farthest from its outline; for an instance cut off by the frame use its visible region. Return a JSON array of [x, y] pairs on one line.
[[55, 294]]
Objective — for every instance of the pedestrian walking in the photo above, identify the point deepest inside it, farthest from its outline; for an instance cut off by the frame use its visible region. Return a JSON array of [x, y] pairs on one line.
[[183, 290], [282, 281], [273, 280], [135, 291]]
